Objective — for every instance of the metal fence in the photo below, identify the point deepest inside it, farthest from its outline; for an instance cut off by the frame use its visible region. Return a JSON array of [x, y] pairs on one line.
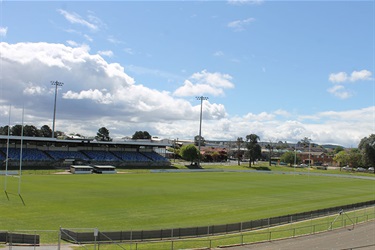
[[74, 236]]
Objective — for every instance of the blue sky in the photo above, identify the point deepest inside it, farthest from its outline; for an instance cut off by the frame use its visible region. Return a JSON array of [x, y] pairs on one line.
[[284, 70]]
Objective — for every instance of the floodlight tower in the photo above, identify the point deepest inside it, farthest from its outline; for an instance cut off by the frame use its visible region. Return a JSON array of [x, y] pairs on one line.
[[56, 84], [201, 98]]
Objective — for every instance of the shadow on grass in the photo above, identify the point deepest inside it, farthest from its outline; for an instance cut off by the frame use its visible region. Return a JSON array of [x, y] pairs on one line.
[[261, 168], [193, 166]]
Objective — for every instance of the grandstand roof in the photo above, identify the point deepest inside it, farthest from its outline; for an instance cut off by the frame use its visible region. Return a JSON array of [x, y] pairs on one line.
[[85, 141]]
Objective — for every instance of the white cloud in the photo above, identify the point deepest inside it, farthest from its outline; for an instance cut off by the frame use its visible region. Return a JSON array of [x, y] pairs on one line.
[[108, 53], [339, 91], [129, 51], [33, 89], [363, 75], [239, 25], [93, 94], [204, 82], [242, 2], [218, 53], [281, 112], [77, 19], [338, 77], [97, 93], [94, 91], [3, 31]]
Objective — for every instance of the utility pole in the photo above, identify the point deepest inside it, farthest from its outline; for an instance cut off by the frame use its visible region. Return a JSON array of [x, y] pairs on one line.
[[201, 98], [56, 84]]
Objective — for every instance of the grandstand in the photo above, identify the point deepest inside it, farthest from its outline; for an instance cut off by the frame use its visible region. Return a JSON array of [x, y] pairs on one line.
[[50, 152]]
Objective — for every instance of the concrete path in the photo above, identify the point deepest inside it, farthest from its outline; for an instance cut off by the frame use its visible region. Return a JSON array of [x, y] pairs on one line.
[[362, 237]]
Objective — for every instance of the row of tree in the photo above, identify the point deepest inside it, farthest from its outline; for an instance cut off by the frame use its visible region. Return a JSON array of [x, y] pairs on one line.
[[363, 156], [26, 130], [46, 131]]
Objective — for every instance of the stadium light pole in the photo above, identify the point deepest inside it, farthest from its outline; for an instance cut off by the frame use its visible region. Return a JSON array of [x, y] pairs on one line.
[[56, 84], [201, 98]]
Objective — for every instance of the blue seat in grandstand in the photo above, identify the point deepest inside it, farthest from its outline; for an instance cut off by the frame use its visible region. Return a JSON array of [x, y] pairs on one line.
[[131, 156], [2, 156], [28, 154], [61, 155], [155, 156], [101, 155]]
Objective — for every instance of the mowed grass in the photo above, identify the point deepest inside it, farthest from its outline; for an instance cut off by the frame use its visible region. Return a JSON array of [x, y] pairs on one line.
[[168, 200]]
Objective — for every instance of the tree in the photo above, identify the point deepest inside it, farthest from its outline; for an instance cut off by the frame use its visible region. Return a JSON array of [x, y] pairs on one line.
[[239, 155], [290, 158], [30, 130], [338, 149], [367, 149], [45, 131], [4, 130], [354, 157], [305, 143], [342, 158], [103, 135], [16, 130], [141, 135], [196, 140], [253, 148], [189, 152], [269, 146]]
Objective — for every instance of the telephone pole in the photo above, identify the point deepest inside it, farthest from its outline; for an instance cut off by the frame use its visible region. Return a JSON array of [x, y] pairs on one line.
[[56, 84]]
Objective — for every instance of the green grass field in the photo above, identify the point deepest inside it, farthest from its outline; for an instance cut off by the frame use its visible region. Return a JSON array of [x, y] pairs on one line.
[[135, 201]]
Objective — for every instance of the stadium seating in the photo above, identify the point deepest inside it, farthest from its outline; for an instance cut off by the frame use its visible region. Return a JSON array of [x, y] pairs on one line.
[[60, 155], [101, 155], [155, 156], [28, 154], [131, 156]]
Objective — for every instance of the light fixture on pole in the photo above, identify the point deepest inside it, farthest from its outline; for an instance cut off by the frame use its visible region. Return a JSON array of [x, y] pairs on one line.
[[201, 98], [56, 84]]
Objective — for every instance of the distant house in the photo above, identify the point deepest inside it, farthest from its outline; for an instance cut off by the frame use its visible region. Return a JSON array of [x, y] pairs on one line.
[[315, 158]]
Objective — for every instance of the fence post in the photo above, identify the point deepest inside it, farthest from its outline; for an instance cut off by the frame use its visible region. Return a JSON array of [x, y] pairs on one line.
[[269, 236], [131, 238], [34, 239]]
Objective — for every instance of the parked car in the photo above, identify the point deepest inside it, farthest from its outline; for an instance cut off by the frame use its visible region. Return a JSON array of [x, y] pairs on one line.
[[302, 165], [361, 169], [370, 170], [347, 168]]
